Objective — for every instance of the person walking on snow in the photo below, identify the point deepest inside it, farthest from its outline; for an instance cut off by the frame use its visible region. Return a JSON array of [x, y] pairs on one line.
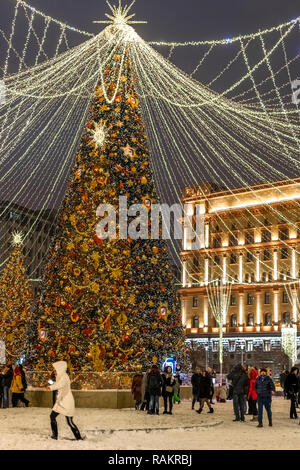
[[264, 387], [195, 381], [205, 392], [168, 383], [154, 385], [291, 390], [136, 389], [64, 404], [18, 387], [240, 383], [252, 395], [8, 374]]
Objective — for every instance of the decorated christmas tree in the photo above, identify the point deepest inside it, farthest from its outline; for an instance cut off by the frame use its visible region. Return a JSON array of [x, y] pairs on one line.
[[16, 299], [109, 303]]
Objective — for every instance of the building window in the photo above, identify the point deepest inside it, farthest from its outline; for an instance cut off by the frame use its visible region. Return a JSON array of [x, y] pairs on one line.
[[249, 346], [233, 241], [270, 277], [217, 242], [284, 233], [267, 345], [247, 277], [267, 298], [217, 260], [233, 258], [265, 236], [285, 297], [231, 346], [264, 277], [195, 322], [250, 319], [286, 319], [267, 255], [195, 301], [249, 257], [233, 299], [268, 319], [215, 346], [252, 277], [250, 299], [249, 238], [284, 253], [196, 262], [233, 321]]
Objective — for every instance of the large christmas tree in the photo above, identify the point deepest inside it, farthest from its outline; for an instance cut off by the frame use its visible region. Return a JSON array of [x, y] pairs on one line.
[[16, 300], [109, 304]]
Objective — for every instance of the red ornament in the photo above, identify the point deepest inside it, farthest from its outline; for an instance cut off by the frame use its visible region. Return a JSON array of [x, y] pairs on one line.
[[87, 331], [68, 306], [98, 240]]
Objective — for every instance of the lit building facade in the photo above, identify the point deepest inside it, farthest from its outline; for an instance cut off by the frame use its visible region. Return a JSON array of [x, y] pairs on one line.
[[251, 237]]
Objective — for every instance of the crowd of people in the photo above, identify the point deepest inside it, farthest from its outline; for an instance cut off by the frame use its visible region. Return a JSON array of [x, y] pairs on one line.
[[148, 387]]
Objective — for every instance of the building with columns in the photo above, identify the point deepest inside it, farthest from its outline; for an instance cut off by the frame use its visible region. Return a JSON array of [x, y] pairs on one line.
[[251, 237]]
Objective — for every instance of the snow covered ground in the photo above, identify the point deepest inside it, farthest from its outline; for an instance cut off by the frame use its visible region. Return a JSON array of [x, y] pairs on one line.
[[28, 428]]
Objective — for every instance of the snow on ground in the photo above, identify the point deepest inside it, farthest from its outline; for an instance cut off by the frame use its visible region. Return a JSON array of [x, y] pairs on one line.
[[28, 428]]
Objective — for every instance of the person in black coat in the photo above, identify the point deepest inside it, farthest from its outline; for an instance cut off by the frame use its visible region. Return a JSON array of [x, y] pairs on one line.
[[154, 385], [240, 383], [195, 381], [7, 376], [291, 390], [205, 392], [168, 383]]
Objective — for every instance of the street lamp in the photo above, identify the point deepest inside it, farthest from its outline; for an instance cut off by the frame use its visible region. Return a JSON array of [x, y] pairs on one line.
[[206, 356]]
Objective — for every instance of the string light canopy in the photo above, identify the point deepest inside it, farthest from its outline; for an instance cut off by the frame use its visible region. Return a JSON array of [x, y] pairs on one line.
[[244, 134]]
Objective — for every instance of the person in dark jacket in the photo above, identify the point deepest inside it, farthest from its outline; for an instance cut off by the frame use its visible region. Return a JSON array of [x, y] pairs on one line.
[[282, 379], [205, 392], [8, 374], [240, 382], [291, 390], [18, 387], [264, 387], [195, 381], [1, 390], [154, 385], [168, 383], [136, 389]]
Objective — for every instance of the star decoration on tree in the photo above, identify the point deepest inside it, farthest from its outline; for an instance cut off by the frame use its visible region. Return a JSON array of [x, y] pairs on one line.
[[17, 239], [128, 151], [99, 133], [120, 15]]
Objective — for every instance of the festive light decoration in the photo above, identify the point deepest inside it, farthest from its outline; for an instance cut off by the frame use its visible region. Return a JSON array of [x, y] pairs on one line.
[[218, 293], [108, 304], [289, 342], [195, 134]]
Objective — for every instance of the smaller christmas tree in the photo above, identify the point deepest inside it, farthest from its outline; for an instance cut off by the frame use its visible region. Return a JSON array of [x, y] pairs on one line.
[[16, 300]]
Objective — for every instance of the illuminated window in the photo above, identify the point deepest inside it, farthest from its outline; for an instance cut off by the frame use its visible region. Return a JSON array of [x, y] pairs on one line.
[[250, 319], [195, 302], [284, 233], [233, 320], [286, 319], [249, 346], [233, 299], [231, 345], [285, 297], [250, 299], [267, 298], [249, 238], [215, 346], [195, 322], [267, 255], [284, 253], [233, 241], [268, 319], [217, 242], [267, 345]]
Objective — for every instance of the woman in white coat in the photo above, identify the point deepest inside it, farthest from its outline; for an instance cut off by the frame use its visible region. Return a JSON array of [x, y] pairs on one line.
[[64, 404]]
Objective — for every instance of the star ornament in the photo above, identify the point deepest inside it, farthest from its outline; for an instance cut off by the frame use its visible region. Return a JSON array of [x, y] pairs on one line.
[[128, 151], [17, 239], [99, 133], [120, 16]]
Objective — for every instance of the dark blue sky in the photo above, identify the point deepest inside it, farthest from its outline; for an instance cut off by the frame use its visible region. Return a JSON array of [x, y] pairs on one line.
[[180, 20]]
